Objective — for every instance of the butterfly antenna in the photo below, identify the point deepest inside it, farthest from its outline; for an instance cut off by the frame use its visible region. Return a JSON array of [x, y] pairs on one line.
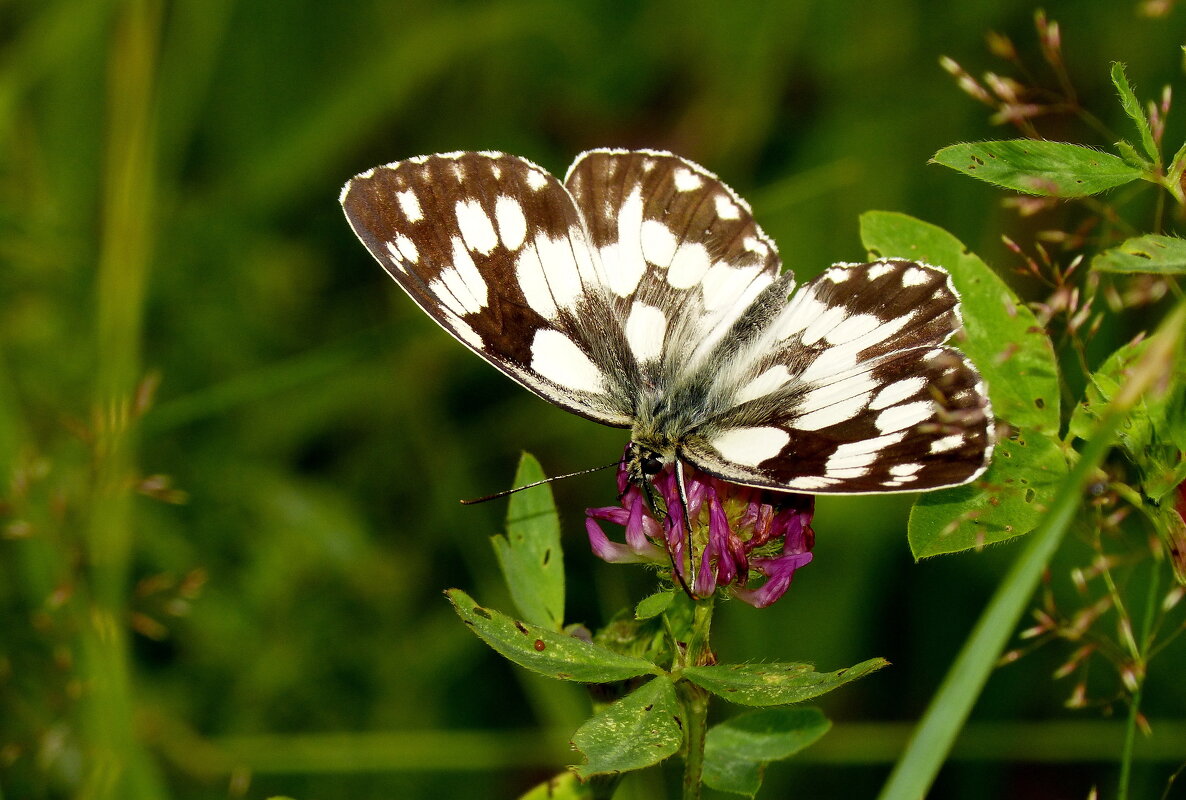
[[506, 492]]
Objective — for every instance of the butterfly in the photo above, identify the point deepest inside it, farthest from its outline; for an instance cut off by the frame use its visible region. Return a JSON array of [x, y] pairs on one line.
[[641, 293]]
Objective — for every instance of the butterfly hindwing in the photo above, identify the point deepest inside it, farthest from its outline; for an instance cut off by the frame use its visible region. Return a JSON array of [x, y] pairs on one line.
[[493, 249], [851, 391]]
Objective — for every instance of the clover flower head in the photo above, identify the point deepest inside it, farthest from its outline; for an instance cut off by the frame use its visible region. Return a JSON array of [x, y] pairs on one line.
[[737, 532]]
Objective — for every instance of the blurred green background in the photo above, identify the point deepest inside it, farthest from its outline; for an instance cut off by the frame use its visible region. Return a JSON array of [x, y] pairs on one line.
[[232, 449]]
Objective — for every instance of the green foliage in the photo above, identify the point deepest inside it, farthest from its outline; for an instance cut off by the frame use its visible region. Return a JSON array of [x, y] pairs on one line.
[[545, 651], [737, 750], [1153, 434], [640, 730], [530, 555], [1047, 169], [1132, 107], [1152, 253], [775, 684]]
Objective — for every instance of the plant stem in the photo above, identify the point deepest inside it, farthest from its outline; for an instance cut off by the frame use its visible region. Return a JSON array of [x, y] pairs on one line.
[[694, 699], [1134, 705]]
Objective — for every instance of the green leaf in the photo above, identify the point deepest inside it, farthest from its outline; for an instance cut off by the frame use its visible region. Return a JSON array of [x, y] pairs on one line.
[[1158, 255], [1172, 529], [565, 786], [1009, 500], [1153, 434], [774, 684], [640, 730], [1049, 169], [1132, 107], [1001, 336], [545, 651], [654, 605], [530, 555], [736, 751]]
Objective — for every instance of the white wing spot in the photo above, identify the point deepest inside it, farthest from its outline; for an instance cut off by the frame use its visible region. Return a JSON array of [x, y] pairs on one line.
[[878, 269], [496, 170], [898, 391], [755, 245], [810, 482], [861, 453], [952, 442], [512, 225], [410, 205], [623, 260], [831, 415], [897, 418], [557, 358], [859, 385], [536, 179], [904, 470], [769, 381], [646, 328], [749, 447], [686, 180], [838, 275], [915, 277], [726, 208], [658, 243], [404, 249], [689, 265], [832, 317], [476, 227], [466, 333], [851, 328], [534, 283]]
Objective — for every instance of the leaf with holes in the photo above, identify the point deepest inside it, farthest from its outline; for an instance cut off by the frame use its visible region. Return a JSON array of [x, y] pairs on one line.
[[1001, 335], [640, 730], [737, 750], [1048, 169], [545, 651], [1153, 254], [530, 555], [775, 684], [1007, 501]]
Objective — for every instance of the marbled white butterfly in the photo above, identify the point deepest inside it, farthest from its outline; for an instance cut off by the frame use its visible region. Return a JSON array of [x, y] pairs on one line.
[[640, 293]]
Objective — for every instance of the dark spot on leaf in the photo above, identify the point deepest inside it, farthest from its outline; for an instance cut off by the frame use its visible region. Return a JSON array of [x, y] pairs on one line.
[[1039, 402], [547, 556], [522, 628], [469, 622], [1029, 495], [648, 708], [540, 646], [564, 676], [678, 721], [481, 612], [1139, 254]]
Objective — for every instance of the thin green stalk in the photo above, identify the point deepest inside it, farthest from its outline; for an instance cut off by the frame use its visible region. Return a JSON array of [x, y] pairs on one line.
[[1134, 705], [932, 740], [116, 765], [694, 699]]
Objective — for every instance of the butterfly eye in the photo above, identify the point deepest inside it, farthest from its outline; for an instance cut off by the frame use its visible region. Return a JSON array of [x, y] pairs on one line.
[[651, 465]]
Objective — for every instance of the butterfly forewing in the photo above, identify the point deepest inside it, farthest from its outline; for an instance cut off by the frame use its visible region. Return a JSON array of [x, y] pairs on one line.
[[850, 391], [492, 248]]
